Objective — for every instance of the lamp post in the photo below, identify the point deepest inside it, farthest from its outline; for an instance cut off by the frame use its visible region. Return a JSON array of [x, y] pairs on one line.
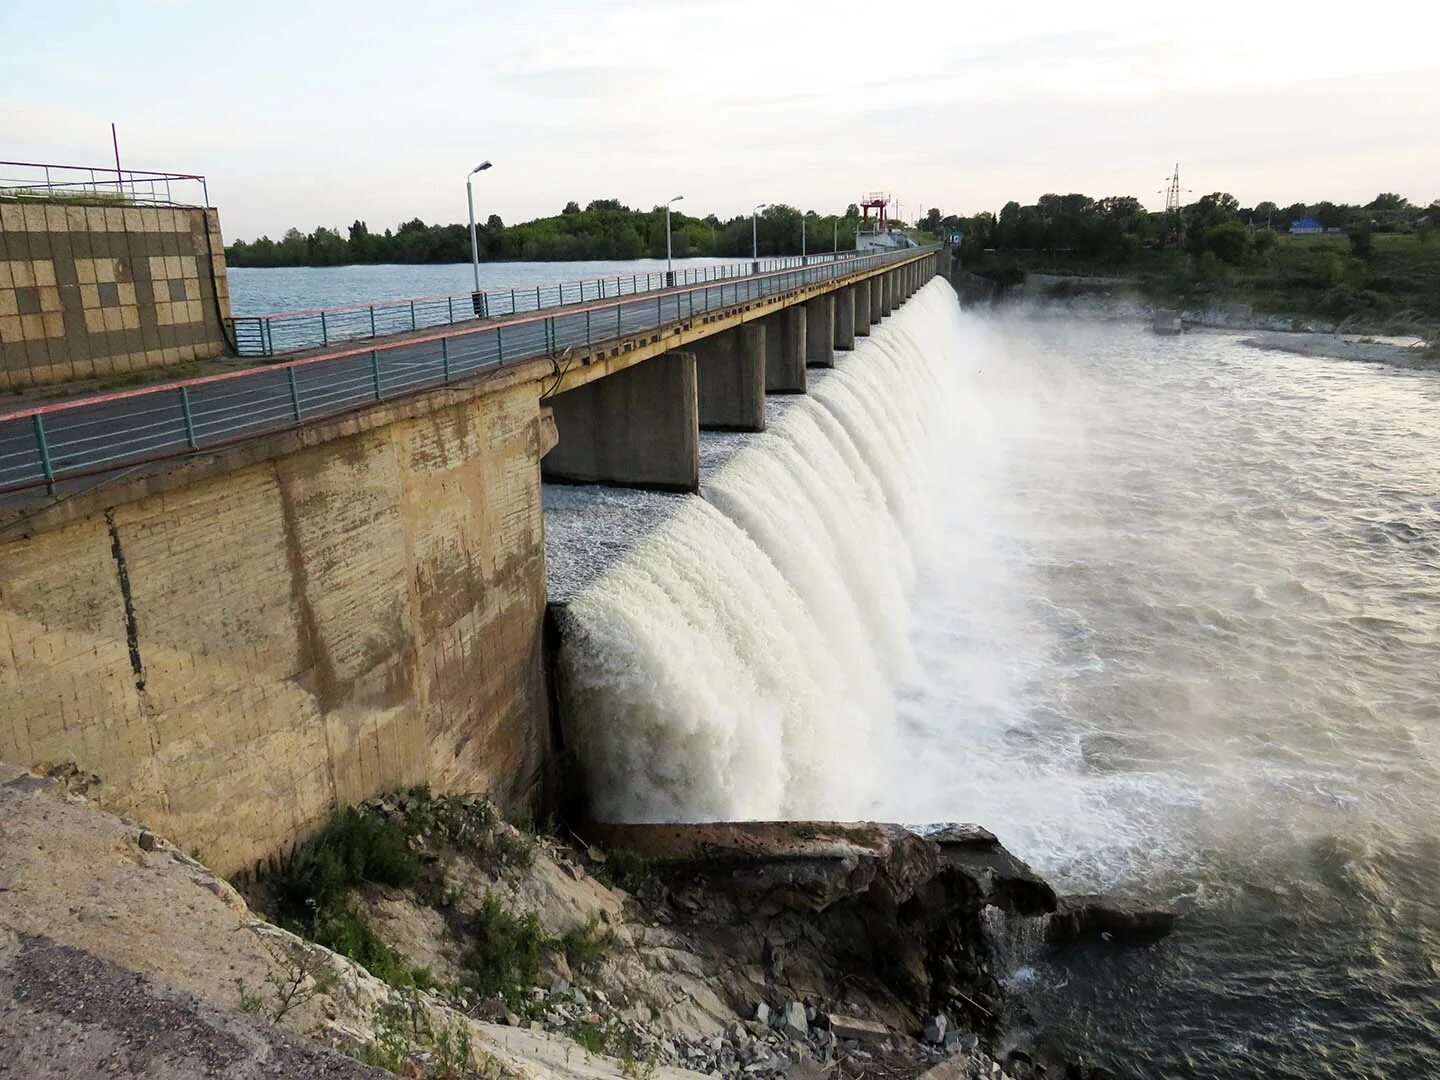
[[835, 238], [802, 237], [477, 298], [755, 237], [669, 273]]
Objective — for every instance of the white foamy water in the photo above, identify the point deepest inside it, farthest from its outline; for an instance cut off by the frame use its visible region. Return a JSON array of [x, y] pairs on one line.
[[1162, 613]]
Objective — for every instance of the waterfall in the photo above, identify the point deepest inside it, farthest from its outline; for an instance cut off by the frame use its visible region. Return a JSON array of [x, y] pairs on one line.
[[741, 660]]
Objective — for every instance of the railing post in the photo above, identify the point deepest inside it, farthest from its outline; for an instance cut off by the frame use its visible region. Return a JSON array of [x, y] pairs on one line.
[[500, 345], [512, 301], [445, 358], [325, 329], [375, 371], [412, 314], [189, 418], [587, 326], [450, 310], [46, 465], [372, 320], [294, 393]]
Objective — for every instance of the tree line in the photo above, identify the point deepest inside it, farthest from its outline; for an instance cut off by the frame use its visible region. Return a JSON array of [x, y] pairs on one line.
[[604, 229], [1116, 227]]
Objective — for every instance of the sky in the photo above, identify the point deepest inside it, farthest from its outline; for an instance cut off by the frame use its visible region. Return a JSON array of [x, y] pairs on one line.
[[311, 114]]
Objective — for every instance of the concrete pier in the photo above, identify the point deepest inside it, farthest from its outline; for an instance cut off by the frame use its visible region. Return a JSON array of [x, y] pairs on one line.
[[889, 298], [845, 317], [730, 378], [785, 351], [637, 428], [864, 293], [820, 331]]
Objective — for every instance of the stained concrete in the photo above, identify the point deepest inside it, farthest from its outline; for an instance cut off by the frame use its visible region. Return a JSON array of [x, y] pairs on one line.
[[637, 428], [730, 374], [845, 316], [785, 351], [820, 331]]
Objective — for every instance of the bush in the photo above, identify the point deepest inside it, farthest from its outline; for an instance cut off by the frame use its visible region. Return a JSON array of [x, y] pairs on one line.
[[354, 848], [1229, 242], [504, 957]]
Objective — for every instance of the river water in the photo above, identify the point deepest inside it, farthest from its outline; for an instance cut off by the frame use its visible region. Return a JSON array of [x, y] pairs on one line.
[[1163, 613]]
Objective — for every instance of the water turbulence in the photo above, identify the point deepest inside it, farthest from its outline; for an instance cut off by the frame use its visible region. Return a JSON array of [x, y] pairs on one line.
[[740, 662], [1162, 613]]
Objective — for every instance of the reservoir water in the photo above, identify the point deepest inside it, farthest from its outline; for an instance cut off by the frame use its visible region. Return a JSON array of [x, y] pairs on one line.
[[271, 290], [1163, 613]]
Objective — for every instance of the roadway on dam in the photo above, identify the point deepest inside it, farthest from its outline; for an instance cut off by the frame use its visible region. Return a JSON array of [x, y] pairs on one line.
[[46, 445]]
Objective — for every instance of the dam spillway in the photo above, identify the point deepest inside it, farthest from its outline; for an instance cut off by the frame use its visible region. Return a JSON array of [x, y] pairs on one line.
[[734, 654]]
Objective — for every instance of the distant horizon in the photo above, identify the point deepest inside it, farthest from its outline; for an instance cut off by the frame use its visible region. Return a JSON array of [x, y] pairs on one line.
[[384, 110]]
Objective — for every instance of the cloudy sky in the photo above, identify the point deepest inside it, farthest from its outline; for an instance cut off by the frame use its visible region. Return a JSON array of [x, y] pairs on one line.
[[317, 113]]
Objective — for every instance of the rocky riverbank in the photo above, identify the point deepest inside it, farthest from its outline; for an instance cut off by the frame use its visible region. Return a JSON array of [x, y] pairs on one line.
[[763, 950]]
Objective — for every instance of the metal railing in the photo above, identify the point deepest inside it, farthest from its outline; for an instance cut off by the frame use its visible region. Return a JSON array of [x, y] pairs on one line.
[[43, 445], [290, 331], [30, 181]]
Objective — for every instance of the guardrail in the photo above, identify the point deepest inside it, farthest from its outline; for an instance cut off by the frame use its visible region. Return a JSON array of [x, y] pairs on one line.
[[290, 331], [72, 439], [26, 181]]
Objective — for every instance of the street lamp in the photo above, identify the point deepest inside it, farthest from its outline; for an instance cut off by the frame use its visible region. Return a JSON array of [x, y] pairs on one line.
[[755, 237], [477, 298], [669, 273], [802, 237], [835, 238]]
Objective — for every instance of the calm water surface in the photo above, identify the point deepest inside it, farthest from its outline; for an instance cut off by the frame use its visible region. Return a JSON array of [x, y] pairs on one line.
[[269, 290]]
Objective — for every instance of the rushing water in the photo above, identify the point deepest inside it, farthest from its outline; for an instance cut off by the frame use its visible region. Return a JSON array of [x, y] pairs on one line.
[[1162, 613]]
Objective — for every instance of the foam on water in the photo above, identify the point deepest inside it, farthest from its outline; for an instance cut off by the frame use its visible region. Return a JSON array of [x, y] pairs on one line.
[[1162, 613]]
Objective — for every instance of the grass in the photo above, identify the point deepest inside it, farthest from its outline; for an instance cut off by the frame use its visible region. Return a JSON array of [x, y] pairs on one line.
[[505, 951], [312, 892], [312, 889], [84, 198]]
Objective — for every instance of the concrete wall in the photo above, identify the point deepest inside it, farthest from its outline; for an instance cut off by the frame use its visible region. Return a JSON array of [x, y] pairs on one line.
[[236, 656], [785, 351], [637, 428], [100, 291], [820, 331], [730, 373]]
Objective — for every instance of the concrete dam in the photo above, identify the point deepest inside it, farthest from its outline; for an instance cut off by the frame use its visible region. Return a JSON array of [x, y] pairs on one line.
[[228, 636], [734, 656]]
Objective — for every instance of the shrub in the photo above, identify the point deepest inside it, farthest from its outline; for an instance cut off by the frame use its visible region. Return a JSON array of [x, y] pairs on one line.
[[504, 956]]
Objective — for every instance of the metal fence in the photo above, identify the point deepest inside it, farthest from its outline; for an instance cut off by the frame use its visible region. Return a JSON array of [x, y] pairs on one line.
[[94, 435], [27, 181], [270, 335]]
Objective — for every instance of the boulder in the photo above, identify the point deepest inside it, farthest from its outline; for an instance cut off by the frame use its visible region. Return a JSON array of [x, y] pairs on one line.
[[1125, 922], [853, 1027]]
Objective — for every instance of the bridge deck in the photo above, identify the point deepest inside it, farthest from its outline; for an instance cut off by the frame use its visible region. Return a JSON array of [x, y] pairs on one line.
[[69, 440]]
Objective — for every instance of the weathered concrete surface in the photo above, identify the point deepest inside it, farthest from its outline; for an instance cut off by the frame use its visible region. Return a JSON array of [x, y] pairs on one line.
[[97, 291], [878, 307], [864, 295], [820, 331], [235, 658], [637, 428], [845, 316], [730, 373], [71, 1014], [122, 956], [785, 351]]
